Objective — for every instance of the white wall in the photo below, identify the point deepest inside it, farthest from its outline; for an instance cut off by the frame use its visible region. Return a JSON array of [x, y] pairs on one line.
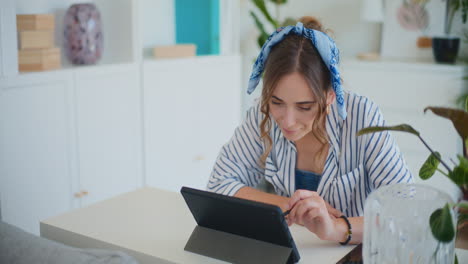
[[157, 23]]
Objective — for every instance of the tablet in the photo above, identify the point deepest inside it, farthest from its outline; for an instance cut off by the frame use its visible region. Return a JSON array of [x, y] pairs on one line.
[[256, 220]]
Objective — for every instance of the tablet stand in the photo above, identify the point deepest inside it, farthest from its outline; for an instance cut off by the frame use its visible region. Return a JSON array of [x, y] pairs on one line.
[[234, 248]]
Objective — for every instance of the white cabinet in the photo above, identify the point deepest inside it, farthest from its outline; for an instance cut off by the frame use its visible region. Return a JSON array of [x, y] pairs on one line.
[[192, 107], [36, 177], [80, 134], [68, 138], [402, 90]]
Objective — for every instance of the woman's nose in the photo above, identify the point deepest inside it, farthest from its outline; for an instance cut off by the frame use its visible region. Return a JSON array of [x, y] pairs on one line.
[[289, 119]]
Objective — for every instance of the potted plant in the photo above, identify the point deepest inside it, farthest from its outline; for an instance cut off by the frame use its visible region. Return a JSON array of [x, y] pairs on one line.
[[440, 221], [274, 21], [464, 96], [445, 48]]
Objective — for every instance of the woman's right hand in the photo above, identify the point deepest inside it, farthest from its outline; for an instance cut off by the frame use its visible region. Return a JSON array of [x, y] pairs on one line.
[[333, 212]]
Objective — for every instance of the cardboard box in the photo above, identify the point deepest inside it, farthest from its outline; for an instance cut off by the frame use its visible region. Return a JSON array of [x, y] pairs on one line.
[[43, 39], [175, 51], [39, 59], [35, 22]]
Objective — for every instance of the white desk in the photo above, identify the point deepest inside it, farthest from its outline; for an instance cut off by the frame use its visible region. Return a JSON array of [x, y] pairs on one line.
[[153, 226]]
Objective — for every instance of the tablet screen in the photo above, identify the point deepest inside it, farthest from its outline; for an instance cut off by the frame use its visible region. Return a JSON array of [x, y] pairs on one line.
[[242, 217]]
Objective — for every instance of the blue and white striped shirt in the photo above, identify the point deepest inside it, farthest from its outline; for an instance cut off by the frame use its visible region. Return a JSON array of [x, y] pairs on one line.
[[354, 167]]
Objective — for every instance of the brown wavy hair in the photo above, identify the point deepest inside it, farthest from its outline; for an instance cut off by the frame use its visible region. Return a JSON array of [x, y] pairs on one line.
[[295, 54]]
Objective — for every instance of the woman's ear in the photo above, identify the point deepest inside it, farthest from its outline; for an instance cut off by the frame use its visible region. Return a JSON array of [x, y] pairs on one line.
[[331, 96]]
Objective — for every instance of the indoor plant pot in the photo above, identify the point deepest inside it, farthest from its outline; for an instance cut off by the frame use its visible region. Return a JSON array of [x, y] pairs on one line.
[[445, 49]]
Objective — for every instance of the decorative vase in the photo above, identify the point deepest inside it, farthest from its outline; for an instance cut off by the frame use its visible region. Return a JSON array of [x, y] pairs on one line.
[[83, 34], [397, 229], [445, 50]]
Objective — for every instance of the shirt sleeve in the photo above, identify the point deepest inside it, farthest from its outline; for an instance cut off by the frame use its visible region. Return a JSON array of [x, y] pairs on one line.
[[383, 160], [238, 163]]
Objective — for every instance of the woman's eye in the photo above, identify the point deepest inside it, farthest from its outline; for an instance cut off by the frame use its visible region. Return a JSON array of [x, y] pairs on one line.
[[275, 103], [305, 108]]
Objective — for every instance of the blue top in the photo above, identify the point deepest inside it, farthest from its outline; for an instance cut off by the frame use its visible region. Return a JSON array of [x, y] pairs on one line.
[[307, 180]]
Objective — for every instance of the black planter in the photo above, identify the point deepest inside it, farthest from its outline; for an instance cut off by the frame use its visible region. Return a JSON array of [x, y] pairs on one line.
[[445, 49]]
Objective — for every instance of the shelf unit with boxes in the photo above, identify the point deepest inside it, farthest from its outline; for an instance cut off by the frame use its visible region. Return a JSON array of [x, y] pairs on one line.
[[70, 136], [79, 134]]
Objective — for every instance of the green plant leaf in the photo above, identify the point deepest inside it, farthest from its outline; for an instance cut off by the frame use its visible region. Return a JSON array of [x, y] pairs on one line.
[[459, 118], [466, 147], [458, 176], [402, 128], [462, 205], [464, 10], [462, 100], [430, 166], [289, 21], [263, 35], [463, 161], [261, 40], [279, 2], [442, 225], [260, 4], [466, 102], [462, 218]]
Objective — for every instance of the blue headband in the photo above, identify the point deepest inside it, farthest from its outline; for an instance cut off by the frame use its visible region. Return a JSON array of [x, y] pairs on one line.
[[322, 42]]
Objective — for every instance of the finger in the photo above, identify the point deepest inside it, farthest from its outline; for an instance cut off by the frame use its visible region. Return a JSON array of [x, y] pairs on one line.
[[300, 195], [333, 211], [312, 214], [301, 207]]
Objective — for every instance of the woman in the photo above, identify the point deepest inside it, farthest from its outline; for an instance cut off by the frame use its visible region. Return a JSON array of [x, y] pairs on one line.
[[301, 137]]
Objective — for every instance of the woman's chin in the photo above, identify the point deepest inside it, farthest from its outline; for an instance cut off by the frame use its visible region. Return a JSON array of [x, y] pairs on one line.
[[294, 137]]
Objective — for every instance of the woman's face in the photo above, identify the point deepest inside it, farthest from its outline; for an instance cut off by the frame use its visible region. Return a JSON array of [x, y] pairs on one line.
[[294, 107]]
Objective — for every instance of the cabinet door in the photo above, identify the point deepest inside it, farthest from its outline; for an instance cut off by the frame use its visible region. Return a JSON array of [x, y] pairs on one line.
[[109, 131], [170, 124], [36, 155], [191, 109], [218, 111]]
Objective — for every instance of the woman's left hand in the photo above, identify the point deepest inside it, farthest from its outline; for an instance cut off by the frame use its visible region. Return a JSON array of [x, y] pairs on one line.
[[310, 210]]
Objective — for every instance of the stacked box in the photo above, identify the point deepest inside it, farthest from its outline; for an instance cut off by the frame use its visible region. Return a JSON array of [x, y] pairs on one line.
[[37, 51], [175, 51]]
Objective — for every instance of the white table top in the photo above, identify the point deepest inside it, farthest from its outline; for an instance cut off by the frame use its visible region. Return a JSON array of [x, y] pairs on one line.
[[153, 225]]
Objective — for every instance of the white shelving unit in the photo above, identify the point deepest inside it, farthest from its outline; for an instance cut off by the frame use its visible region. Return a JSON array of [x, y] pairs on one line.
[[80, 134], [402, 89]]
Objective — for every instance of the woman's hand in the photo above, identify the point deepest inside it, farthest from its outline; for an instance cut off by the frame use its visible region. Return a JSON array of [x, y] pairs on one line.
[[310, 210]]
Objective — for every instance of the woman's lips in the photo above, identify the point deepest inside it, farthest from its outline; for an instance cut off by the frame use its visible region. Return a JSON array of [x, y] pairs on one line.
[[289, 132]]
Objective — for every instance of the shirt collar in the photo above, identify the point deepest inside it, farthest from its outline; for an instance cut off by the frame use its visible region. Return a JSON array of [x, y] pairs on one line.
[[334, 125]]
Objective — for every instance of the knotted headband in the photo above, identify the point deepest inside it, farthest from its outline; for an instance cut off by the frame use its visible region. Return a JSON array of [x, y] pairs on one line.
[[324, 45]]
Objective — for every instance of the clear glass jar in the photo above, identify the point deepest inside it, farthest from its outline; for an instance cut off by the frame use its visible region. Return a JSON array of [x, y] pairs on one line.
[[396, 225]]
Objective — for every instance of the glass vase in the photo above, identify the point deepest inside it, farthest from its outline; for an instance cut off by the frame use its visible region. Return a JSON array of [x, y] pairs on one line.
[[396, 225]]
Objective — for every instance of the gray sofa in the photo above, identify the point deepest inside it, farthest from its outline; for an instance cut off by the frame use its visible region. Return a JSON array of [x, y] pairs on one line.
[[18, 247]]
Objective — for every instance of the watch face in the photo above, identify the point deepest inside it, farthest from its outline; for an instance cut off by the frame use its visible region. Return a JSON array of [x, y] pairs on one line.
[[353, 257]]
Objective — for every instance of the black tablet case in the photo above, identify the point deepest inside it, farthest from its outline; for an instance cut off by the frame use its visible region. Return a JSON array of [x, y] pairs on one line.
[[238, 230]]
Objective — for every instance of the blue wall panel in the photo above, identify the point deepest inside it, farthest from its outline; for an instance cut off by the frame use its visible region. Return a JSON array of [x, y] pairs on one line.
[[197, 21]]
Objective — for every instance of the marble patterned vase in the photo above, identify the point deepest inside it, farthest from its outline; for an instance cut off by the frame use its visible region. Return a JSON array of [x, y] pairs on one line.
[[83, 34]]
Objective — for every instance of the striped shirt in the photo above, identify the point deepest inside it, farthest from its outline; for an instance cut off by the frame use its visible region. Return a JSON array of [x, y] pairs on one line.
[[355, 165]]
